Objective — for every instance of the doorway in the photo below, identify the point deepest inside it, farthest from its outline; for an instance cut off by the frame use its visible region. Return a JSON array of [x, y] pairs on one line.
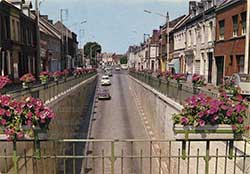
[[220, 69], [210, 67]]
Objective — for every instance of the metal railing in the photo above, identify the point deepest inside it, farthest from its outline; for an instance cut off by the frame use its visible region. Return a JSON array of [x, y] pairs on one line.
[[48, 91], [175, 91], [129, 156], [178, 93]]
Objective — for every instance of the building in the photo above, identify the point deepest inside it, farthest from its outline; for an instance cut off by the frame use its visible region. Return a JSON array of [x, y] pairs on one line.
[[107, 58], [18, 39], [177, 40], [200, 37], [5, 41], [27, 62], [50, 45], [69, 46], [164, 43], [230, 38], [153, 51]]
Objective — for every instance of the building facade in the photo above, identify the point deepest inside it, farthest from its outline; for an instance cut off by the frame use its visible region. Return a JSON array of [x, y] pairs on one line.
[[230, 38]]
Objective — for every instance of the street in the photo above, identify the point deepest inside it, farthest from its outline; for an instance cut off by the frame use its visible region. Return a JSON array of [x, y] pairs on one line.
[[118, 118]]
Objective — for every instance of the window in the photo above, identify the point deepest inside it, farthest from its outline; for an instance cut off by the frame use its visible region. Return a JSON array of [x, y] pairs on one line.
[[13, 30], [235, 25], [240, 63], [194, 39], [203, 34], [210, 31], [221, 29], [190, 38], [243, 23]]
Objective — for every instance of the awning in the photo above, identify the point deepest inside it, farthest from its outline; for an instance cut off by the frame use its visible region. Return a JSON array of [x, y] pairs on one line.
[[173, 62]]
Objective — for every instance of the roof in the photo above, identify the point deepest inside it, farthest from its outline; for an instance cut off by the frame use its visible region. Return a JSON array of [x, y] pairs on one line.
[[228, 3], [47, 27]]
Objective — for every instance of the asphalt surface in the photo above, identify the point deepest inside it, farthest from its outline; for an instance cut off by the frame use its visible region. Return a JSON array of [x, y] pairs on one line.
[[118, 118]]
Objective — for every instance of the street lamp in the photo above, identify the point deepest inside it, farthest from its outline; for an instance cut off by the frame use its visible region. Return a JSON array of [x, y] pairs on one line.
[[167, 23], [159, 14], [38, 62]]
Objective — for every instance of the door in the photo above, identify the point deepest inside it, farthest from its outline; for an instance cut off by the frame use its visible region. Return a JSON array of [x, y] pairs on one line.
[[210, 65], [220, 70]]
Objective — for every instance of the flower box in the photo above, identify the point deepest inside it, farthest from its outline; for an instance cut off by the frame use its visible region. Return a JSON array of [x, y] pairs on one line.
[[207, 132], [41, 134], [25, 85]]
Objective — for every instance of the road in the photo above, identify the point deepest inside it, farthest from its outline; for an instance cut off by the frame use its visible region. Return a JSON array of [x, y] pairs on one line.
[[118, 118]]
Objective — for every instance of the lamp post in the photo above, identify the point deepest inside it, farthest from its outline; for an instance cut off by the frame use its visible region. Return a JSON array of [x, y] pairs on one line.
[[167, 30], [38, 61], [247, 47]]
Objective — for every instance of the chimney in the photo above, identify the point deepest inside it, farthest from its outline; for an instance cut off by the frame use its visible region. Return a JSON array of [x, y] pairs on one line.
[[45, 17], [27, 6], [192, 8], [50, 21]]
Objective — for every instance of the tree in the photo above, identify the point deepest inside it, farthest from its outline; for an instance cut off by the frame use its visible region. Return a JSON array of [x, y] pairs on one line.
[[92, 48], [124, 60]]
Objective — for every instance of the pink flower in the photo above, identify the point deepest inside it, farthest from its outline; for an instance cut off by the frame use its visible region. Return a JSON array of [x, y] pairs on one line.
[[229, 113], [201, 123], [224, 107], [3, 122], [240, 120], [29, 115], [201, 114], [20, 135], [234, 127], [184, 120], [8, 113], [2, 112]]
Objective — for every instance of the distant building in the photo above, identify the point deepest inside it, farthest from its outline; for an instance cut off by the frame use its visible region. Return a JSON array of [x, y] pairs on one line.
[[50, 45], [69, 46]]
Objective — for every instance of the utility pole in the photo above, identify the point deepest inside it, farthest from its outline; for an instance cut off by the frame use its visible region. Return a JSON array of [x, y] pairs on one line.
[[247, 47], [64, 42], [168, 44], [38, 60]]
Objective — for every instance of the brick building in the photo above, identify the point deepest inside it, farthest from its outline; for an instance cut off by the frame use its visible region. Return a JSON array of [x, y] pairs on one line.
[[230, 38]]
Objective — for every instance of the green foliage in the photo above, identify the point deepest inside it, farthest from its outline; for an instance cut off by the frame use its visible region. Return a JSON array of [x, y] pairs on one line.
[[124, 60], [92, 48]]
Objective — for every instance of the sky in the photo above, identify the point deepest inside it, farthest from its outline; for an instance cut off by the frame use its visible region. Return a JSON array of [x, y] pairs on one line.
[[115, 24]]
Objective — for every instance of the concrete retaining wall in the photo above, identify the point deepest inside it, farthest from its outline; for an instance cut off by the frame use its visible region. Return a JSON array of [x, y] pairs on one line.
[[71, 107]]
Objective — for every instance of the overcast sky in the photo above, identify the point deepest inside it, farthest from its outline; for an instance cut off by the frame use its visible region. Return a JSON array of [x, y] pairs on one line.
[[115, 24]]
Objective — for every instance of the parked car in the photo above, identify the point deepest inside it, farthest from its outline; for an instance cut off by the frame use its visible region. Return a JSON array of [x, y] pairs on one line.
[[104, 94], [124, 66], [109, 73], [242, 81], [118, 69], [105, 81]]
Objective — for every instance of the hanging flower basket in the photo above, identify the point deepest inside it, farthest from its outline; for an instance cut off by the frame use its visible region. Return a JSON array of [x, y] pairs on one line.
[[207, 132]]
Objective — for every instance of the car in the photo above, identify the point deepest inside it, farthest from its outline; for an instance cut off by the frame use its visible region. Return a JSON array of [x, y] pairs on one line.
[[118, 69], [109, 73], [243, 82], [104, 94], [105, 81], [124, 66]]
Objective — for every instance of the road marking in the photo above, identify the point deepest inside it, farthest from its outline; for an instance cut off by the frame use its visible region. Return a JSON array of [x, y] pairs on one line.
[[148, 129]]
